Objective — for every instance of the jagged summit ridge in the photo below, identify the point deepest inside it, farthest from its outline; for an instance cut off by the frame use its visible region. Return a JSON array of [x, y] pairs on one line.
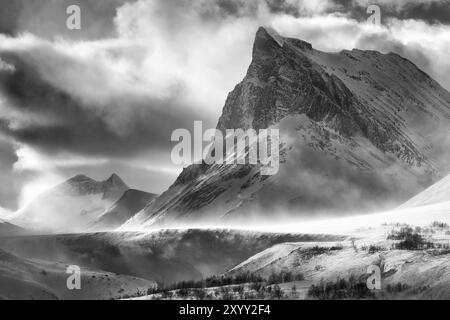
[[79, 185], [272, 33], [348, 90], [115, 180]]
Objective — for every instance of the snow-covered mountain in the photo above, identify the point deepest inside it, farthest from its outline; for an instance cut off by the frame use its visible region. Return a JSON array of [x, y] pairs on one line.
[[359, 130], [437, 193], [126, 207], [72, 205]]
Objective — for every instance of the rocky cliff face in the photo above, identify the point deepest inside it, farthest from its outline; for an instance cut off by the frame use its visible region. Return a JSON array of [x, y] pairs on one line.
[[359, 130], [380, 97]]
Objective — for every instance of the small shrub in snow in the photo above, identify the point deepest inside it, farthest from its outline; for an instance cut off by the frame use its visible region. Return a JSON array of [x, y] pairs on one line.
[[341, 289]]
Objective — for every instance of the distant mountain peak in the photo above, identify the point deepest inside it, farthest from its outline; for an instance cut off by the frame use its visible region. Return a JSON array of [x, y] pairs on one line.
[[73, 204], [114, 176], [115, 180], [79, 178], [79, 185]]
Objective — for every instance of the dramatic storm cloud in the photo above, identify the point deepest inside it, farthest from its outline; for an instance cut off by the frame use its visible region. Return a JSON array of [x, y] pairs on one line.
[[47, 18], [107, 97]]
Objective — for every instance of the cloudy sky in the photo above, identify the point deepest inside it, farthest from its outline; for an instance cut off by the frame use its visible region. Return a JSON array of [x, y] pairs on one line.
[[106, 98]]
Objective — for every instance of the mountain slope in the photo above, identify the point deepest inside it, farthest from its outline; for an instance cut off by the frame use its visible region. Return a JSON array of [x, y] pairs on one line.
[[437, 193], [27, 279], [359, 130], [126, 207], [7, 229], [72, 205], [423, 273]]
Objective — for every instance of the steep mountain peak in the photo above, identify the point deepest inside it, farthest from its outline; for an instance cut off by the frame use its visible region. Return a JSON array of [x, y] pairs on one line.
[[285, 81], [358, 129], [113, 187], [81, 185], [266, 43], [265, 33], [115, 180], [267, 39]]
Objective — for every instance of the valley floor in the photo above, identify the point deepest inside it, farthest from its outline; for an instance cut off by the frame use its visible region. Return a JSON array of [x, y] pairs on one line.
[[413, 257]]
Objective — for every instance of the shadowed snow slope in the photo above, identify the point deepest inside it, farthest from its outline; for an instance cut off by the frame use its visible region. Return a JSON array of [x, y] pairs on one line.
[[126, 207], [437, 193]]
